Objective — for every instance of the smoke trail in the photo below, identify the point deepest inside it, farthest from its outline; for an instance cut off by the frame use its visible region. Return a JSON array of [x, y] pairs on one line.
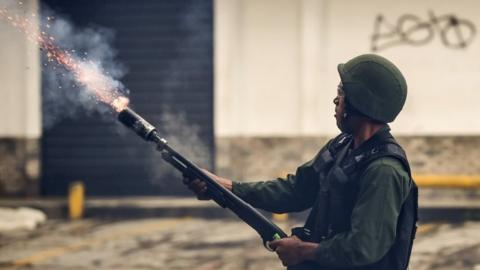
[[63, 96], [79, 68]]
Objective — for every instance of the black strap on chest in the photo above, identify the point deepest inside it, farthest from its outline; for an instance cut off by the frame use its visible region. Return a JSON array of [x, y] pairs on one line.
[[329, 157]]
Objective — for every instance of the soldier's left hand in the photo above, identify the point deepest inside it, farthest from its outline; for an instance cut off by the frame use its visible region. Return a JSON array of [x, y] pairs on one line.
[[289, 250]]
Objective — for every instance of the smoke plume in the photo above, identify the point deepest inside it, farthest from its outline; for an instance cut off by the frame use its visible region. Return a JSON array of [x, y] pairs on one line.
[[174, 125], [63, 96], [185, 138]]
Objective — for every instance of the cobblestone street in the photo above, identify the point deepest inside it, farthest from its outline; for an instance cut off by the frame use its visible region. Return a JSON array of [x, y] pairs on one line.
[[186, 243]]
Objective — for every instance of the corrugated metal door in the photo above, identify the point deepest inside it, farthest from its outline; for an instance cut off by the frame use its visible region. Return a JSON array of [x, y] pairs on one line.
[[167, 48]]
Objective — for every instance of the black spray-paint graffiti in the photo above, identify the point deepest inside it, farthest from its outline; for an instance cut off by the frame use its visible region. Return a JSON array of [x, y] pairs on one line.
[[454, 32]]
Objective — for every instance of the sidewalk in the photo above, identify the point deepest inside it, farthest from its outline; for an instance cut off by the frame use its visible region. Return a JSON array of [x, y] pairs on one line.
[[435, 205], [123, 207], [197, 244]]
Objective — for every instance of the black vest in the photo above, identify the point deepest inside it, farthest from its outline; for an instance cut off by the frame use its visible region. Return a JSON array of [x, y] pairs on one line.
[[337, 172]]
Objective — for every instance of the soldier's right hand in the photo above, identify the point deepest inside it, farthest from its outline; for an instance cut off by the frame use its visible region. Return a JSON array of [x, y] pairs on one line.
[[200, 188]]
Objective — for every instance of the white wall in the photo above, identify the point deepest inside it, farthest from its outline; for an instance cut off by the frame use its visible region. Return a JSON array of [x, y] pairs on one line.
[[276, 66], [20, 97]]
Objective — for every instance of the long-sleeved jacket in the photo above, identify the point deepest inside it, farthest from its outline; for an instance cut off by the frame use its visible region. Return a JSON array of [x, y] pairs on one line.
[[382, 188]]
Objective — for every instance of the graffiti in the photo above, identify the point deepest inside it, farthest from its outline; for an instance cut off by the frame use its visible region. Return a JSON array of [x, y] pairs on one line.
[[455, 33]]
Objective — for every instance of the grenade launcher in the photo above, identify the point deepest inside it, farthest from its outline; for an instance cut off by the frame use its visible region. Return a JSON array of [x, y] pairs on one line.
[[222, 196]]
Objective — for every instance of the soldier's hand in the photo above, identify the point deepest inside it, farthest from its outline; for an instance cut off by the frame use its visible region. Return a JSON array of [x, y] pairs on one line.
[[289, 250], [200, 188]]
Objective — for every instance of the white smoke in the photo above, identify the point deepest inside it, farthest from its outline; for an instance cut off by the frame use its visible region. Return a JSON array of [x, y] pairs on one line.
[[182, 135], [63, 96]]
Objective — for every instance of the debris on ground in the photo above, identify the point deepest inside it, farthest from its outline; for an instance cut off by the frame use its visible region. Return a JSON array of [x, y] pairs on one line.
[[21, 218]]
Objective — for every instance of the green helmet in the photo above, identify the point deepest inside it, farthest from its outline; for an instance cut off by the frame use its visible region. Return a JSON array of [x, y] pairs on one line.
[[374, 86]]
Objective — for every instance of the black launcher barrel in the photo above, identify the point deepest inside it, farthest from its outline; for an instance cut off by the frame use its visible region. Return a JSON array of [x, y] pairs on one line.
[[135, 122]]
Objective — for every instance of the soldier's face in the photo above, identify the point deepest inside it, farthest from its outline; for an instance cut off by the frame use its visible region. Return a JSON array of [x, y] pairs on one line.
[[339, 102]]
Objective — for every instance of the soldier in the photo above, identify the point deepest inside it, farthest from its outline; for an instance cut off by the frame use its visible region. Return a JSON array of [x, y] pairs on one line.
[[359, 186]]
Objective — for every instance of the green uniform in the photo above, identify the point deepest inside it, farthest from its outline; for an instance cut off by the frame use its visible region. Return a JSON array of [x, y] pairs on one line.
[[382, 188]]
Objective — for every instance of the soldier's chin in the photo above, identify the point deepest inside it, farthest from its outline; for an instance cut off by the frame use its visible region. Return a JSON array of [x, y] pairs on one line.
[[342, 125], [339, 126]]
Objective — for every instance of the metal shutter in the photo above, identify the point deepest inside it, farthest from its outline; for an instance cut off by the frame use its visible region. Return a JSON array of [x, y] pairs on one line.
[[167, 47]]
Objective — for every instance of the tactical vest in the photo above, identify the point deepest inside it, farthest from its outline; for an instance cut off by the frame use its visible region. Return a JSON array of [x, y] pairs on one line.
[[337, 172]]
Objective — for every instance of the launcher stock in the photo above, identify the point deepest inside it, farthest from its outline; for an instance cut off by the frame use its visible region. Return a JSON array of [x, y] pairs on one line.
[[222, 196]]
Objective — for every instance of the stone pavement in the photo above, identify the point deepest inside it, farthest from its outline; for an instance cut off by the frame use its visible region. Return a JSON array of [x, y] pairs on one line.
[[436, 205], [198, 244]]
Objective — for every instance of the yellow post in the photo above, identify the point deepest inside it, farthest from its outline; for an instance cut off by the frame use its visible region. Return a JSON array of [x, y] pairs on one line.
[[76, 198], [280, 217], [448, 181]]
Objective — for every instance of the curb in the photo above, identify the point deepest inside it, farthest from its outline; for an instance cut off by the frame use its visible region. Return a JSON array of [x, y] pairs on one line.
[[149, 207]]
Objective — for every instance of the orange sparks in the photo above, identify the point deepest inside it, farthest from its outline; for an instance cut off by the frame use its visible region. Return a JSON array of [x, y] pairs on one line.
[[87, 73], [120, 103]]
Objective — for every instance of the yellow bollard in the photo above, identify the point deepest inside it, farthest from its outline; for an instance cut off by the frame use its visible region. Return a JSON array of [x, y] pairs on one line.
[[448, 181], [76, 198], [280, 217]]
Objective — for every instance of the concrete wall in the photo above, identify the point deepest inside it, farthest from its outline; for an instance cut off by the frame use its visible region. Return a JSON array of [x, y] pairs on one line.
[[276, 77], [20, 102], [276, 63], [261, 158]]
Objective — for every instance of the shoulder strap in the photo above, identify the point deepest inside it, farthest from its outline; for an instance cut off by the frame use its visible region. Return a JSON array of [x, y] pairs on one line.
[[328, 154], [388, 148]]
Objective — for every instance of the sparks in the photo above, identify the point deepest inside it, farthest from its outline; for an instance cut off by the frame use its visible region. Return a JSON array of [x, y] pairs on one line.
[[87, 73], [120, 103]]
